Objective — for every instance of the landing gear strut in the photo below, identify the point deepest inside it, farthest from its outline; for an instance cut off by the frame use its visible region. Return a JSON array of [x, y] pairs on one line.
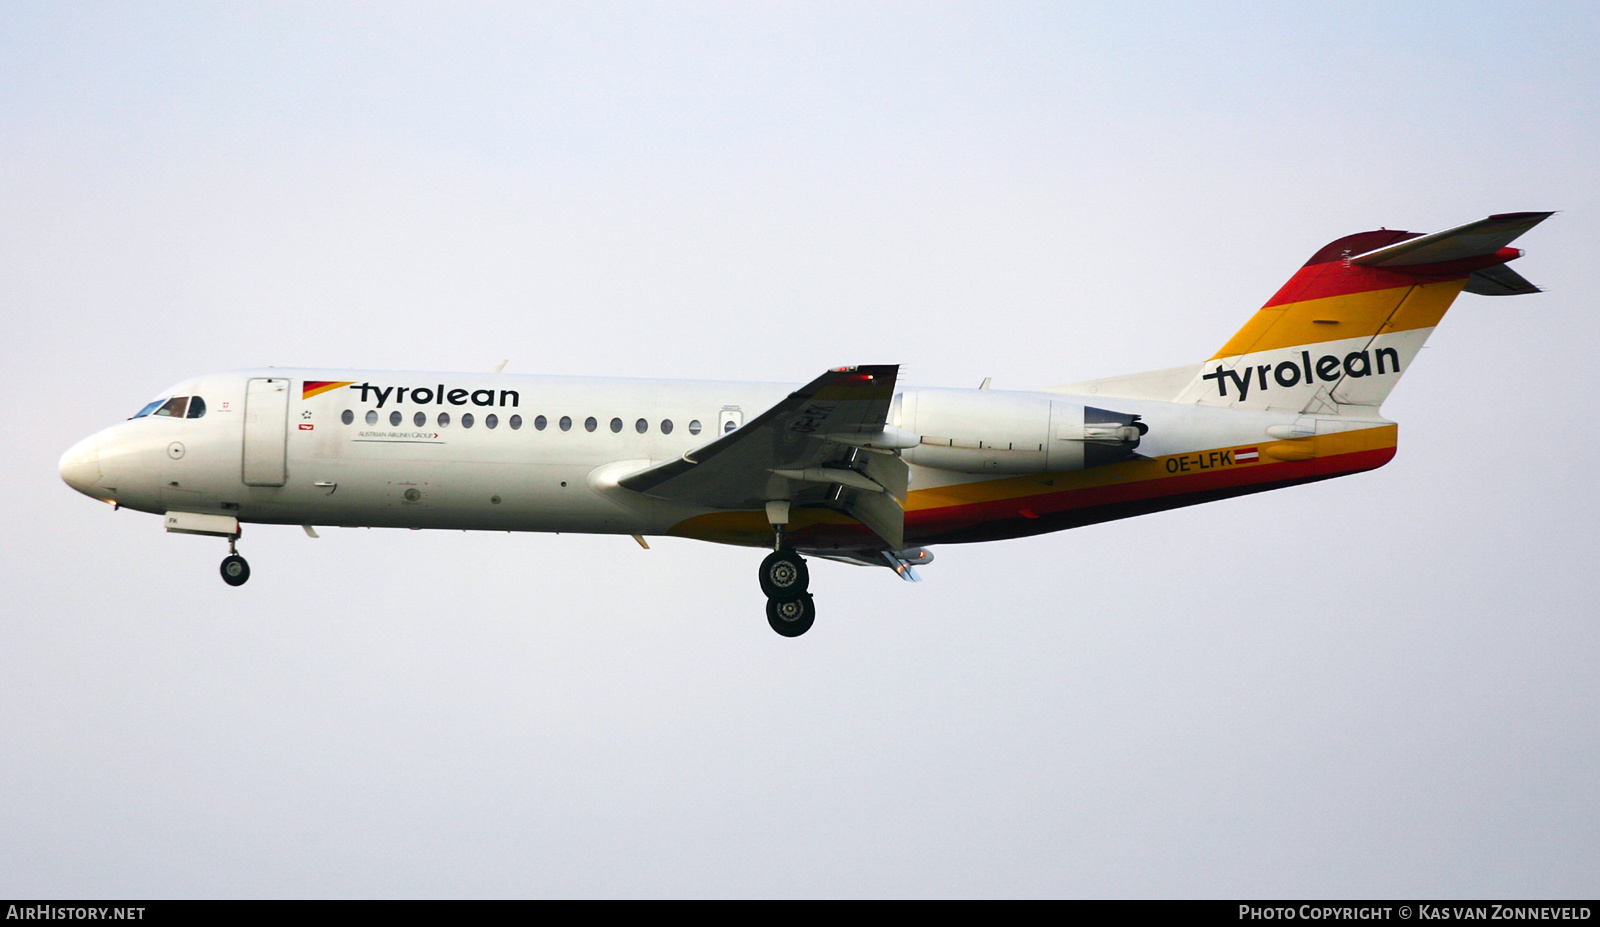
[[235, 570], [784, 580]]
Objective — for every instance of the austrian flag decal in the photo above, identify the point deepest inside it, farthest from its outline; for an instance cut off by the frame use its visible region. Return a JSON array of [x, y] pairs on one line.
[[1246, 455]]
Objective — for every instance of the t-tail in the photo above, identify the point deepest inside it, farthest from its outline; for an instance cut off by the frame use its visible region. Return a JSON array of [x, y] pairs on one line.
[[1339, 335]]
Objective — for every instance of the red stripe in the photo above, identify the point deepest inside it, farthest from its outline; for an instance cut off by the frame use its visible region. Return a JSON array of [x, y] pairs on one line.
[[1337, 279], [1025, 513], [932, 521], [1359, 243]]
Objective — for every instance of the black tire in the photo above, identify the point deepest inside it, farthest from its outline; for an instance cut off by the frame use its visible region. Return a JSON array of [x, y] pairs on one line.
[[235, 571], [791, 617], [784, 575]]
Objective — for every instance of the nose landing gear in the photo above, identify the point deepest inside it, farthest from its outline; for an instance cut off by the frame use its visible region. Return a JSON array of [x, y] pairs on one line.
[[235, 569]]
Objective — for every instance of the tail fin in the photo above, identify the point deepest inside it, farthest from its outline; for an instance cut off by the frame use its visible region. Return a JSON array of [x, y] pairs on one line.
[[1350, 322]]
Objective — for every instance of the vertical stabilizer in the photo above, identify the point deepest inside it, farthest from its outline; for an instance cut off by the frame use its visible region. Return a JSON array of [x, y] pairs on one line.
[[1349, 323]]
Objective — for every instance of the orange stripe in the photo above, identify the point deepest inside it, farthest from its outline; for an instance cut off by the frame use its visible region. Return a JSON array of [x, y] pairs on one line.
[[1133, 471], [1353, 315], [929, 511]]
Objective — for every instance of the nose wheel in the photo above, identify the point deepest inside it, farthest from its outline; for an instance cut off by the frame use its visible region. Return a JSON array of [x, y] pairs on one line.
[[784, 580], [235, 570]]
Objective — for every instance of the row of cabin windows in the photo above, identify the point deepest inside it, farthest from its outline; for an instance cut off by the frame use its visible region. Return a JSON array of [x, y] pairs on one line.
[[195, 407], [540, 423]]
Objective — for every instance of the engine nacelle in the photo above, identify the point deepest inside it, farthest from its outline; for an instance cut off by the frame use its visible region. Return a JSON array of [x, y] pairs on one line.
[[988, 431]]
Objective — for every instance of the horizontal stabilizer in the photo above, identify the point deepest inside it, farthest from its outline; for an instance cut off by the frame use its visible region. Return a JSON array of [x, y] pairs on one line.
[[1473, 240], [1499, 280]]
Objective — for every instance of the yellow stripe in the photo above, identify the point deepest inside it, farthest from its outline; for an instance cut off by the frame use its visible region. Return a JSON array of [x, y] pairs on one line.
[[1354, 315], [1132, 471], [751, 528]]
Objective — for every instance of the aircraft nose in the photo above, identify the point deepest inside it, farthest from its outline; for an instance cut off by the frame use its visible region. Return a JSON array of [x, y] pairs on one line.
[[80, 465]]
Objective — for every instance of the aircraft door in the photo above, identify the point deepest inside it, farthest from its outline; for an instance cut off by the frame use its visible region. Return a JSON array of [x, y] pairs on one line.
[[266, 428], [732, 417]]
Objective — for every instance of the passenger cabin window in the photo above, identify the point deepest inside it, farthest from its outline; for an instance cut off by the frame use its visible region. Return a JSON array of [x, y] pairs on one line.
[[539, 422], [566, 423], [729, 425], [372, 417], [491, 420], [347, 416], [420, 419], [515, 422], [589, 424], [444, 419], [694, 427], [174, 407], [467, 420], [394, 418], [616, 426], [197, 407], [666, 426], [641, 426]]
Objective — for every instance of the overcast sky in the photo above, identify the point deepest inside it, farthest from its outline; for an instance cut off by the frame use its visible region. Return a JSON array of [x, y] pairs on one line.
[[1382, 685]]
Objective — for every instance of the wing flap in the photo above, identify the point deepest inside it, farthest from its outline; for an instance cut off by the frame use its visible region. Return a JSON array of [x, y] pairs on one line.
[[888, 471], [882, 513]]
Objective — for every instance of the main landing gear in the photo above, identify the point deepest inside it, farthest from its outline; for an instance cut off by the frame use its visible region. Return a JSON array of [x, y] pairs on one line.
[[235, 569], [784, 574], [792, 617], [784, 579]]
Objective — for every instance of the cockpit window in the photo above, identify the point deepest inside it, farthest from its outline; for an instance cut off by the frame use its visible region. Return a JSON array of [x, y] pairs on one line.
[[149, 408], [197, 407], [174, 407]]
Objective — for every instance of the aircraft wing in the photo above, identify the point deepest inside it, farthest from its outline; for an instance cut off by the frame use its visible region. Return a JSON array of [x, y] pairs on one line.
[[828, 444]]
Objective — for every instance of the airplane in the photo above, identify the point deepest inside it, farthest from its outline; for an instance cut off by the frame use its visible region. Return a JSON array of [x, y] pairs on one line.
[[851, 467]]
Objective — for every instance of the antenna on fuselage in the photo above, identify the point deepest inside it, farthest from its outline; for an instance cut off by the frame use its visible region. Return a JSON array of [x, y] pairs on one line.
[[499, 367]]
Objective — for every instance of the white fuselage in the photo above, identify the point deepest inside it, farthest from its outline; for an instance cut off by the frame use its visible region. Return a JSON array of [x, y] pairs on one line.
[[407, 458], [398, 471]]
